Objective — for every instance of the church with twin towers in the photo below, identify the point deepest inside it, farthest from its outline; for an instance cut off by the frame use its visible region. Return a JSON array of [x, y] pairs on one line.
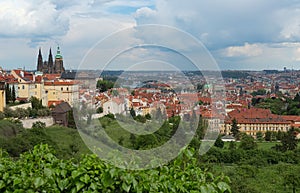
[[50, 66]]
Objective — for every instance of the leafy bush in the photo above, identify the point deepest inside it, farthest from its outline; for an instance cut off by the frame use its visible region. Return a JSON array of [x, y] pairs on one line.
[[99, 110], [40, 171], [39, 125]]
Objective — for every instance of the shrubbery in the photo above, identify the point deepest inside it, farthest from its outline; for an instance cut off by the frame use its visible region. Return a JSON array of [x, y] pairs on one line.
[[24, 113], [40, 171]]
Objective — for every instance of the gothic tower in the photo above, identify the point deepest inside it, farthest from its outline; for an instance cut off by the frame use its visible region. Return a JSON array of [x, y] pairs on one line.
[[50, 62], [40, 61], [58, 66], [50, 66]]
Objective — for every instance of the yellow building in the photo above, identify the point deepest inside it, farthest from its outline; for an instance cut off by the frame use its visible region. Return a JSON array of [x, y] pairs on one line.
[[63, 90], [255, 120], [29, 86], [50, 92], [2, 96]]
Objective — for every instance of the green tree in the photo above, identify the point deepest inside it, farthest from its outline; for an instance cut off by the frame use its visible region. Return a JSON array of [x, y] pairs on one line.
[[71, 119], [289, 140], [259, 92], [13, 94], [99, 110], [235, 129], [132, 113], [8, 112], [36, 103], [140, 119], [279, 135], [7, 93], [219, 143], [104, 85], [39, 125], [247, 142], [148, 116], [268, 136], [232, 145], [297, 98], [291, 178], [259, 136]]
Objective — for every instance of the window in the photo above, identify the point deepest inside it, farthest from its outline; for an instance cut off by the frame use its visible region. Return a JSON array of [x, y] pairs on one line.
[[67, 88], [35, 86], [23, 87], [46, 91], [61, 88]]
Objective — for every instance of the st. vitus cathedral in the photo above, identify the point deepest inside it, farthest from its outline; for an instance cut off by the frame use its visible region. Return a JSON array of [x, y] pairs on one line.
[[50, 67]]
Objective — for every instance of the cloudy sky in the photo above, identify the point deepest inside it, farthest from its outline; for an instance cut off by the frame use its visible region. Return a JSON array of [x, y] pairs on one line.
[[248, 34]]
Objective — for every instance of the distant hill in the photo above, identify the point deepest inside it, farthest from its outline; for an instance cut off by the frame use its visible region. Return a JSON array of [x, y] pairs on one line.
[[235, 74]]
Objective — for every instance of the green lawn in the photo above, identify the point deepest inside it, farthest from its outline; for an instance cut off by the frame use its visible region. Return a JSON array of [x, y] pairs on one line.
[[261, 145], [266, 145]]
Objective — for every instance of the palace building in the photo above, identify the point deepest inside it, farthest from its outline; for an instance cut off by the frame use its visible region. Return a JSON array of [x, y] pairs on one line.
[[50, 66], [253, 120]]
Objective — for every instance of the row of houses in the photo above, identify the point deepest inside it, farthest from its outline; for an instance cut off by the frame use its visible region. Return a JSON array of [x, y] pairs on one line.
[[47, 87], [250, 120], [147, 101]]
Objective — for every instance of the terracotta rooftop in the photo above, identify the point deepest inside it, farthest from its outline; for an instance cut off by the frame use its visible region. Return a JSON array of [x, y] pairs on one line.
[[255, 115]]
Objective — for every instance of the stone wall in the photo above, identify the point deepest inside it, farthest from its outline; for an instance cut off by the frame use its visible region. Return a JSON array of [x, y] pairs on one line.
[[27, 123]]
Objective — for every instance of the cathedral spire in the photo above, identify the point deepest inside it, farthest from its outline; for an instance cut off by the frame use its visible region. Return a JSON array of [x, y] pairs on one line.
[[40, 61], [50, 62]]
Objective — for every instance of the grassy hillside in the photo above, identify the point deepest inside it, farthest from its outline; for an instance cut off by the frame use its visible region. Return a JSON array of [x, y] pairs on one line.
[[68, 141], [16, 140]]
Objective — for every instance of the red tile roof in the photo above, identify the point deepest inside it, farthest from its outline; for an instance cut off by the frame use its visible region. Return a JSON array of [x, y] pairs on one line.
[[255, 116], [59, 83]]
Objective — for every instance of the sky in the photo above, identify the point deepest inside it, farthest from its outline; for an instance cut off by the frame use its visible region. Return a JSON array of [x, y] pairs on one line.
[[237, 35]]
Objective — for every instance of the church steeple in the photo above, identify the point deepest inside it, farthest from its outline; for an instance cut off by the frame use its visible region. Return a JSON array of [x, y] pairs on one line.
[[40, 61], [59, 64], [58, 55], [51, 66], [50, 62]]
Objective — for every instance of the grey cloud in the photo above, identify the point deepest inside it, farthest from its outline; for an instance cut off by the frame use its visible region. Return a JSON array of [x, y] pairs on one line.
[[32, 20], [227, 23]]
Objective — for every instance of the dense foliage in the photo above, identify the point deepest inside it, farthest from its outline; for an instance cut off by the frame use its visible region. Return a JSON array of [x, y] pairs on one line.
[[280, 105], [16, 140], [40, 171], [10, 94], [253, 165]]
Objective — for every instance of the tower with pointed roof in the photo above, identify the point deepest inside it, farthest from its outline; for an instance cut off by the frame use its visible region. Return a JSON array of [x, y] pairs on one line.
[[40, 61], [50, 62], [59, 65], [50, 67]]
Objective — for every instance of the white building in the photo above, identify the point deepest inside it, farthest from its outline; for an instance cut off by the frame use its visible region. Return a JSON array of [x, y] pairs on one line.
[[114, 106]]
